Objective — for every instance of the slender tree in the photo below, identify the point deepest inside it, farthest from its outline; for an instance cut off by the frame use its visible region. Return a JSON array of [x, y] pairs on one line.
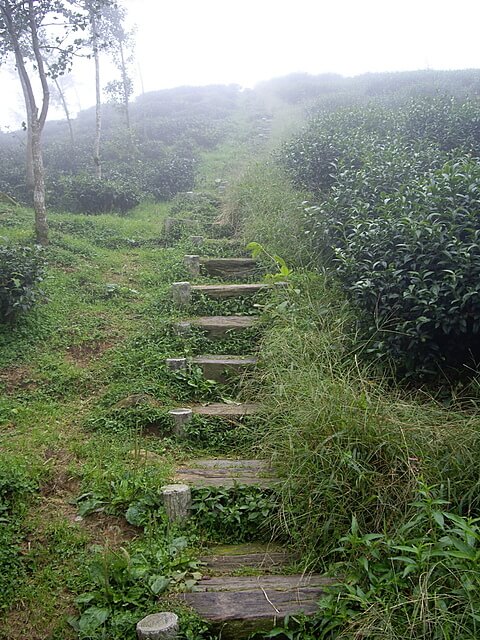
[[95, 44], [31, 31], [59, 97], [121, 45]]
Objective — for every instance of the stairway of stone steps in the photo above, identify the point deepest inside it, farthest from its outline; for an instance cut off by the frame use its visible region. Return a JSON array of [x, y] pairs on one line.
[[235, 605]]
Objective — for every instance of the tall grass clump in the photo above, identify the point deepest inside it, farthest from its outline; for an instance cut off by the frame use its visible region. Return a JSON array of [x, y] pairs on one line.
[[345, 443], [263, 207]]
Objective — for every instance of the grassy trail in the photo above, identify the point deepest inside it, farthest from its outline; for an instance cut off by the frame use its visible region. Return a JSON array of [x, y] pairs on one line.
[[56, 366]]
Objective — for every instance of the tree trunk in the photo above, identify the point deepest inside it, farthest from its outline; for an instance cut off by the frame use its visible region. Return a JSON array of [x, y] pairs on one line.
[[66, 111], [41, 225], [125, 86], [30, 180], [35, 121], [98, 100]]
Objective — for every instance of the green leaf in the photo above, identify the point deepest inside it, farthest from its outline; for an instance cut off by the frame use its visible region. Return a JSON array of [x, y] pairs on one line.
[[92, 618], [158, 584]]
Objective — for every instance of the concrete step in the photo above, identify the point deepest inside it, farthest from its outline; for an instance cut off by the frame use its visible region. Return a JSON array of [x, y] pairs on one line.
[[217, 326], [221, 367], [218, 472], [239, 606]]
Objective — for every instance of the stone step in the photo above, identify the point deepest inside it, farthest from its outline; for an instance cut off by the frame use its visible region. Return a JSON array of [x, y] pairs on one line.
[[217, 326], [221, 367], [217, 472], [259, 557], [229, 290], [229, 268], [239, 606], [219, 410]]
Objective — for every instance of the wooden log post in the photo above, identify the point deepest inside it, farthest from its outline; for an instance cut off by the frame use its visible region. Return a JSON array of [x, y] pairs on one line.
[[192, 262], [181, 293], [169, 226], [176, 364], [196, 241], [181, 417], [158, 626], [177, 500]]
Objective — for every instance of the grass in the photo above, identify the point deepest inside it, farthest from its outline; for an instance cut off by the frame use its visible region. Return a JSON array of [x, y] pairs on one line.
[[69, 370], [346, 441], [86, 395], [370, 470]]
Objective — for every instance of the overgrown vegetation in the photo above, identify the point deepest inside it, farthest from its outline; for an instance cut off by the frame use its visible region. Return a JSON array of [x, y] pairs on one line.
[[396, 214], [379, 483]]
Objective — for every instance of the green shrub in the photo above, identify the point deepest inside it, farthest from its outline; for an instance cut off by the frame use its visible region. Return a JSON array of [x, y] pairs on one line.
[[21, 270], [195, 205], [397, 212], [87, 194], [413, 270]]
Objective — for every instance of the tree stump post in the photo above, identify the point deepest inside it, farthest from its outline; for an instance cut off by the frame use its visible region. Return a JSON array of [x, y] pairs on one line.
[[176, 364], [169, 226], [158, 626], [192, 262], [183, 328], [181, 417], [177, 500], [182, 294]]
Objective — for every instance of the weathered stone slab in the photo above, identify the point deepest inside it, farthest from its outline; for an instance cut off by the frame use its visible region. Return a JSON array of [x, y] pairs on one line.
[[225, 473], [246, 583], [220, 368], [229, 558]]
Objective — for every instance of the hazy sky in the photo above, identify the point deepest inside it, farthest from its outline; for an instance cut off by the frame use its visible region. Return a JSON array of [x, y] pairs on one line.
[[221, 41]]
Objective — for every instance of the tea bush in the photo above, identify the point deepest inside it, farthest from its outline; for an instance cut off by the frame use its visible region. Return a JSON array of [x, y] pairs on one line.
[[396, 214], [351, 138], [87, 194], [414, 270], [21, 270]]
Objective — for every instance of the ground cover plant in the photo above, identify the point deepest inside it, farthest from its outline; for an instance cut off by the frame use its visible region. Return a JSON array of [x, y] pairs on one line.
[[379, 483], [81, 416]]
